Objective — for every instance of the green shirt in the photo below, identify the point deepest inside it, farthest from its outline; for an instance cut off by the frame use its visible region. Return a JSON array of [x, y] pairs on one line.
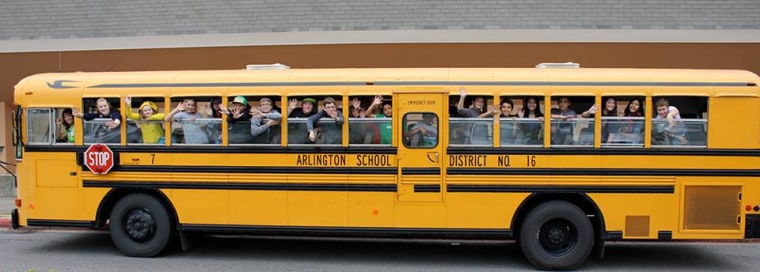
[[386, 130]]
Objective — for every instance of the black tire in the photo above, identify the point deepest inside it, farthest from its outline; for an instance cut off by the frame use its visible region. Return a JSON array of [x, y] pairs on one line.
[[556, 235], [140, 226]]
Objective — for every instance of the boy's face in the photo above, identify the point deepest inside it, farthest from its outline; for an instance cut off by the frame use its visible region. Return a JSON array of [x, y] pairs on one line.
[[662, 111]]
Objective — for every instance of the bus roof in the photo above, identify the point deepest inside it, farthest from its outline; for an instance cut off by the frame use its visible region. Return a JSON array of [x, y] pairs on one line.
[[449, 78]]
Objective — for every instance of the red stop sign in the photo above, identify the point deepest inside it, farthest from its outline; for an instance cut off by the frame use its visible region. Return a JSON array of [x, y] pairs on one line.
[[99, 159]]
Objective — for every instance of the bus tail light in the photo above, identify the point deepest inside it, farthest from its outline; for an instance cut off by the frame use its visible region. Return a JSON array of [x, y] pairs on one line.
[[17, 203]]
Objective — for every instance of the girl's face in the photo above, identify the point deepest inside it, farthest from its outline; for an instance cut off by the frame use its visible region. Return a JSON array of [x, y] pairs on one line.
[[355, 112], [610, 104], [634, 106], [387, 110], [190, 106], [479, 102], [146, 112], [532, 105], [506, 109], [68, 118], [103, 108]]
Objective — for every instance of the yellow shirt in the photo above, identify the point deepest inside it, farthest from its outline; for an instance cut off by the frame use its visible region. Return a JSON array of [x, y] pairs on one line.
[[151, 131]]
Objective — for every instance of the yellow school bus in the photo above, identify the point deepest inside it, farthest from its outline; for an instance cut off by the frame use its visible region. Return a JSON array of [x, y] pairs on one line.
[[558, 159]]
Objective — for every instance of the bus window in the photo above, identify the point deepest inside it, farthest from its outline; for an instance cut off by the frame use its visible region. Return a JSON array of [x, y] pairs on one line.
[[421, 129], [326, 127], [521, 121], [145, 123], [622, 121], [64, 126], [370, 120], [101, 121], [568, 128], [254, 120], [265, 120], [471, 122], [195, 120], [299, 110], [38, 126], [679, 121]]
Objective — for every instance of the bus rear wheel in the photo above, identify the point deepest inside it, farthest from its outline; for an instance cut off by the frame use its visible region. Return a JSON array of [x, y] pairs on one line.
[[556, 235], [140, 226]]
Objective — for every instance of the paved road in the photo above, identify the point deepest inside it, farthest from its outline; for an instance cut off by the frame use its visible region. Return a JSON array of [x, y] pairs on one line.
[[64, 250]]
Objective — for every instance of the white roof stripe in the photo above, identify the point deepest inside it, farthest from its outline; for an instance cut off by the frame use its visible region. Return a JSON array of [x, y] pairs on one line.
[[384, 36]]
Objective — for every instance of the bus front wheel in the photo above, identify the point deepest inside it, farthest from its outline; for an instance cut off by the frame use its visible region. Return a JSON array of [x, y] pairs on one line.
[[140, 226], [556, 235]]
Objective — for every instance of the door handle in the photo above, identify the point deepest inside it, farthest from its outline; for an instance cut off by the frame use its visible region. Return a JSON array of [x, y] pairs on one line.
[[433, 157], [72, 173]]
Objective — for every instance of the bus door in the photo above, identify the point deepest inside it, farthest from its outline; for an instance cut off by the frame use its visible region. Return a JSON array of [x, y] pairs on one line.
[[421, 150]]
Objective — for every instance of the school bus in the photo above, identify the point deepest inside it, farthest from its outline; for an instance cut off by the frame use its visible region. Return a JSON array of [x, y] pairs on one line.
[[558, 159]]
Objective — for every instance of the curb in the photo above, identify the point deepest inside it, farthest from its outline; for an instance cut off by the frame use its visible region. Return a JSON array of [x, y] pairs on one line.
[[5, 222]]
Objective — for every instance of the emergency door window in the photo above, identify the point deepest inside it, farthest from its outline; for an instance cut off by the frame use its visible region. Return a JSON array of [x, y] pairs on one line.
[[421, 129]]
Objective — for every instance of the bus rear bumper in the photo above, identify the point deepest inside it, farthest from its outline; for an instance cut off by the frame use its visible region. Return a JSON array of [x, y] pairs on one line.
[[752, 226], [14, 219]]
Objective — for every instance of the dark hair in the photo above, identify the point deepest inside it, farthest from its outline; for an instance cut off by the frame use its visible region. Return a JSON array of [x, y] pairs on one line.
[[69, 112], [538, 112], [215, 113], [484, 108], [639, 112], [507, 101], [604, 107]]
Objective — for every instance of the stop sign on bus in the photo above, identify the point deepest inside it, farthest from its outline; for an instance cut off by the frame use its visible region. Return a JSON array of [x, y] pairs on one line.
[[99, 159]]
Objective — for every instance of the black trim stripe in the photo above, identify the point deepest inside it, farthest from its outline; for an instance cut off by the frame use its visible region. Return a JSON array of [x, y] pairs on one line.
[[421, 171], [654, 189], [59, 223], [420, 188], [393, 150], [349, 231], [260, 169], [606, 172], [212, 149], [602, 151], [665, 235], [423, 83], [227, 84], [615, 235], [343, 187]]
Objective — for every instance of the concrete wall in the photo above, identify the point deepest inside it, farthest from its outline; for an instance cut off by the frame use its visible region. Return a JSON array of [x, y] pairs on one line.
[[15, 66]]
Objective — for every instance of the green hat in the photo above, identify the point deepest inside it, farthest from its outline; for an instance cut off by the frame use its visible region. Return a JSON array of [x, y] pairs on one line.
[[240, 100], [310, 100]]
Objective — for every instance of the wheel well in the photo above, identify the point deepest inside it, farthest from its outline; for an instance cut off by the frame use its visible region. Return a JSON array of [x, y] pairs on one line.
[[582, 201], [116, 194]]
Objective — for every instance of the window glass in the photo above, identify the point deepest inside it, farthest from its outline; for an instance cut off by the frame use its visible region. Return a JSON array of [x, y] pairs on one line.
[[315, 119], [254, 120], [145, 120], [471, 119], [679, 121], [38, 126], [195, 120], [622, 121], [370, 120], [420, 129], [64, 126], [572, 121], [521, 121], [101, 121]]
